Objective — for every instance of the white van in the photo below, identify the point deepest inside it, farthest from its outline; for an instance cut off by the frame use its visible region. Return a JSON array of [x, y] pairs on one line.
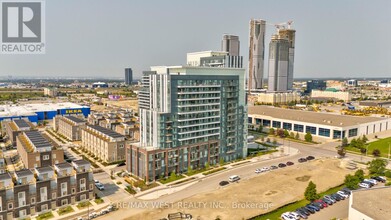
[[233, 178]]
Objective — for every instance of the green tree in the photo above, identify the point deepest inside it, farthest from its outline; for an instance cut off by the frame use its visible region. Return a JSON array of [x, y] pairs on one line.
[[260, 128], [341, 151], [189, 170], [172, 175], [280, 133], [376, 153], [345, 142], [364, 139], [351, 181], [377, 166], [286, 133], [292, 135], [353, 142], [310, 192], [308, 137], [207, 166], [297, 137], [271, 131], [221, 162], [359, 174]]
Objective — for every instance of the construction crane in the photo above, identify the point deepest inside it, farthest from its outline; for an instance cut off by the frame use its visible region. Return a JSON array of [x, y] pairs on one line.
[[284, 25]]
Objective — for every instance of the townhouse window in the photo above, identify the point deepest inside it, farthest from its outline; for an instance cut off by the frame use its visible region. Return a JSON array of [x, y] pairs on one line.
[[37, 158], [45, 157], [54, 156], [83, 197], [64, 189], [91, 186], [44, 207], [10, 206], [73, 190], [54, 195], [43, 193], [64, 202], [32, 200]]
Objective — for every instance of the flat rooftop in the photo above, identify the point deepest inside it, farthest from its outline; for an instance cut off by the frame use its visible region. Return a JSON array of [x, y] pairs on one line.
[[311, 117], [106, 131], [75, 119], [25, 172], [21, 123], [374, 202], [37, 139], [31, 109]]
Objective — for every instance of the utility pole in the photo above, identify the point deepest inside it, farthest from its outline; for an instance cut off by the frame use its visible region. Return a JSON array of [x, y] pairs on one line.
[[389, 151]]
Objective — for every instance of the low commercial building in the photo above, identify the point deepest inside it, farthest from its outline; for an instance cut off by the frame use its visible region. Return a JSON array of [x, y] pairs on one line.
[[36, 151], [27, 193], [383, 104], [69, 126], [324, 125], [278, 98], [107, 145], [370, 204], [331, 94], [14, 127], [40, 112]]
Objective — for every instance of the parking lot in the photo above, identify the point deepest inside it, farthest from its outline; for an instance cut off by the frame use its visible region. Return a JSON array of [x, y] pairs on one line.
[[111, 191]]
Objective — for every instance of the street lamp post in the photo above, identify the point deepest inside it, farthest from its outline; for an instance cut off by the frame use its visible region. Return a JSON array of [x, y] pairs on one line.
[[389, 151]]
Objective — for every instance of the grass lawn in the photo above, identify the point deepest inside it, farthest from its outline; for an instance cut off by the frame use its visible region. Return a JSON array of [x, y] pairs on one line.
[[171, 179], [98, 201], [275, 214], [381, 144], [65, 210], [44, 216], [83, 205]]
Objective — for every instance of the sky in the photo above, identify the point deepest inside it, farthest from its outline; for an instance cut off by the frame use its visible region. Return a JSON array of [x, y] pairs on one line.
[[334, 38]]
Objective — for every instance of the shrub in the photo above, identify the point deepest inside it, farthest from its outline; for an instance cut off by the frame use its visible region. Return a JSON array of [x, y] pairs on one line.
[[308, 137], [376, 153], [310, 192]]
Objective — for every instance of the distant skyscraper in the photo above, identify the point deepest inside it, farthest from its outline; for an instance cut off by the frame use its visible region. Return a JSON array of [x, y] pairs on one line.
[[256, 53], [128, 76], [230, 44], [281, 60], [315, 85]]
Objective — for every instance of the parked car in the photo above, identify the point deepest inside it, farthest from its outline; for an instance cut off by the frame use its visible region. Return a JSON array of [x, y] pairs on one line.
[[374, 182], [337, 197], [92, 215], [302, 160], [347, 190], [364, 185], [310, 157], [287, 216], [323, 203], [258, 170], [96, 181], [295, 215], [264, 169], [100, 186], [281, 165], [301, 214], [383, 178], [234, 178], [303, 210], [328, 201], [341, 193], [316, 208], [223, 183], [273, 167], [330, 198], [369, 183], [310, 209], [289, 163], [317, 204], [379, 179]]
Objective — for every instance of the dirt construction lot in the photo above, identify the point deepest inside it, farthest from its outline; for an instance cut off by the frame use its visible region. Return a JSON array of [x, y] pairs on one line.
[[260, 194]]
